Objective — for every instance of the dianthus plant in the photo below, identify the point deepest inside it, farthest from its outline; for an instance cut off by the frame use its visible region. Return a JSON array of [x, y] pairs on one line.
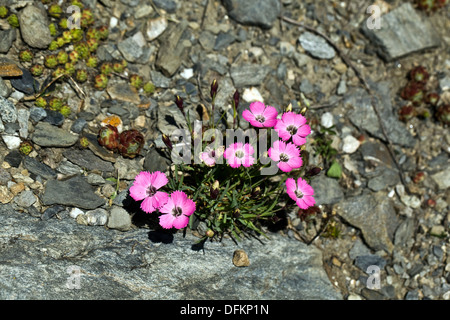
[[234, 181]]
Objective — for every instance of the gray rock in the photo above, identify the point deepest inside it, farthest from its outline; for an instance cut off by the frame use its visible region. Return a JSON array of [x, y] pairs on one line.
[[306, 87], [159, 80], [169, 6], [14, 158], [7, 37], [248, 75], [25, 83], [207, 40], [386, 179], [40, 169], [170, 119], [87, 159], [403, 31], [119, 219], [97, 217], [127, 169], [8, 111], [342, 88], [261, 13], [114, 265], [46, 135], [54, 117], [22, 118], [374, 215], [317, 46], [75, 192], [25, 199], [170, 53], [358, 249], [364, 117], [34, 27], [68, 168], [123, 91], [95, 179], [78, 125], [5, 91], [404, 232], [365, 261], [326, 190], [442, 179], [155, 161], [130, 49], [444, 83], [223, 40], [372, 294], [37, 114], [51, 212]]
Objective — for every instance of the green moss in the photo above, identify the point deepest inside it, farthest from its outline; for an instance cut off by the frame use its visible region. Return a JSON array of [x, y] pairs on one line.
[[13, 21]]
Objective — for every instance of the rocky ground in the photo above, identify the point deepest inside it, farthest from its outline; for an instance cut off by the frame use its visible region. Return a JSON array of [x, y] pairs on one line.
[[59, 205]]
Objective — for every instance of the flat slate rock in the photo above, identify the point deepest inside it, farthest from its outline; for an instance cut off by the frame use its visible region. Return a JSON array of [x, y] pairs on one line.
[[133, 265], [364, 117], [248, 75], [47, 135], [87, 159], [403, 31], [25, 83], [75, 192], [374, 215], [260, 13]]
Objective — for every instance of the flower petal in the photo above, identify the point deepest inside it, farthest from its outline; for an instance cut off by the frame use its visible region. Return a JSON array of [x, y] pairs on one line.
[[147, 205], [257, 107], [247, 115], [138, 192], [295, 162], [284, 167], [304, 130], [188, 207], [270, 113], [166, 220], [180, 222], [160, 199], [159, 179], [298, 140]]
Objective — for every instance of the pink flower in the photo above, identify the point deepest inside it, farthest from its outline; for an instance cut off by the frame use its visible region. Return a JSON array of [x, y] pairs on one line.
[[145, 188], [238, 154], [301, 192], [210, 156], [260, 116], [293, 125], [177, 211], [288, 155]]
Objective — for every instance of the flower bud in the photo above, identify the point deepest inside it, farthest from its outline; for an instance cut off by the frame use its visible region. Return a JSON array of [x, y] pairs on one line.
[[236, 213], [214, 191], [214, 87], [167, 141], [108, 137], [210, 233], [443, 114], [256, 192], [236, 99], [314, 171]]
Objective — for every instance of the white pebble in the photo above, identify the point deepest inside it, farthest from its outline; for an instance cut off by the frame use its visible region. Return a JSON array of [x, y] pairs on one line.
[[12, 142], [113, 22], [327, 120], [252, 94], [187, 73], [75, 212], [351, 144]]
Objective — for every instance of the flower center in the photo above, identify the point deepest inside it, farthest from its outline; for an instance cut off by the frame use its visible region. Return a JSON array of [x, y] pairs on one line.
[[213, 153], [292, 129], [239, 154], [151, 191], [298, 194], [284, 157], [177, 211], [260, 118]]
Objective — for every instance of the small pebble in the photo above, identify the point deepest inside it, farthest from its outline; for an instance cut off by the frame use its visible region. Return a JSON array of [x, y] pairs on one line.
[[240, 258]]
